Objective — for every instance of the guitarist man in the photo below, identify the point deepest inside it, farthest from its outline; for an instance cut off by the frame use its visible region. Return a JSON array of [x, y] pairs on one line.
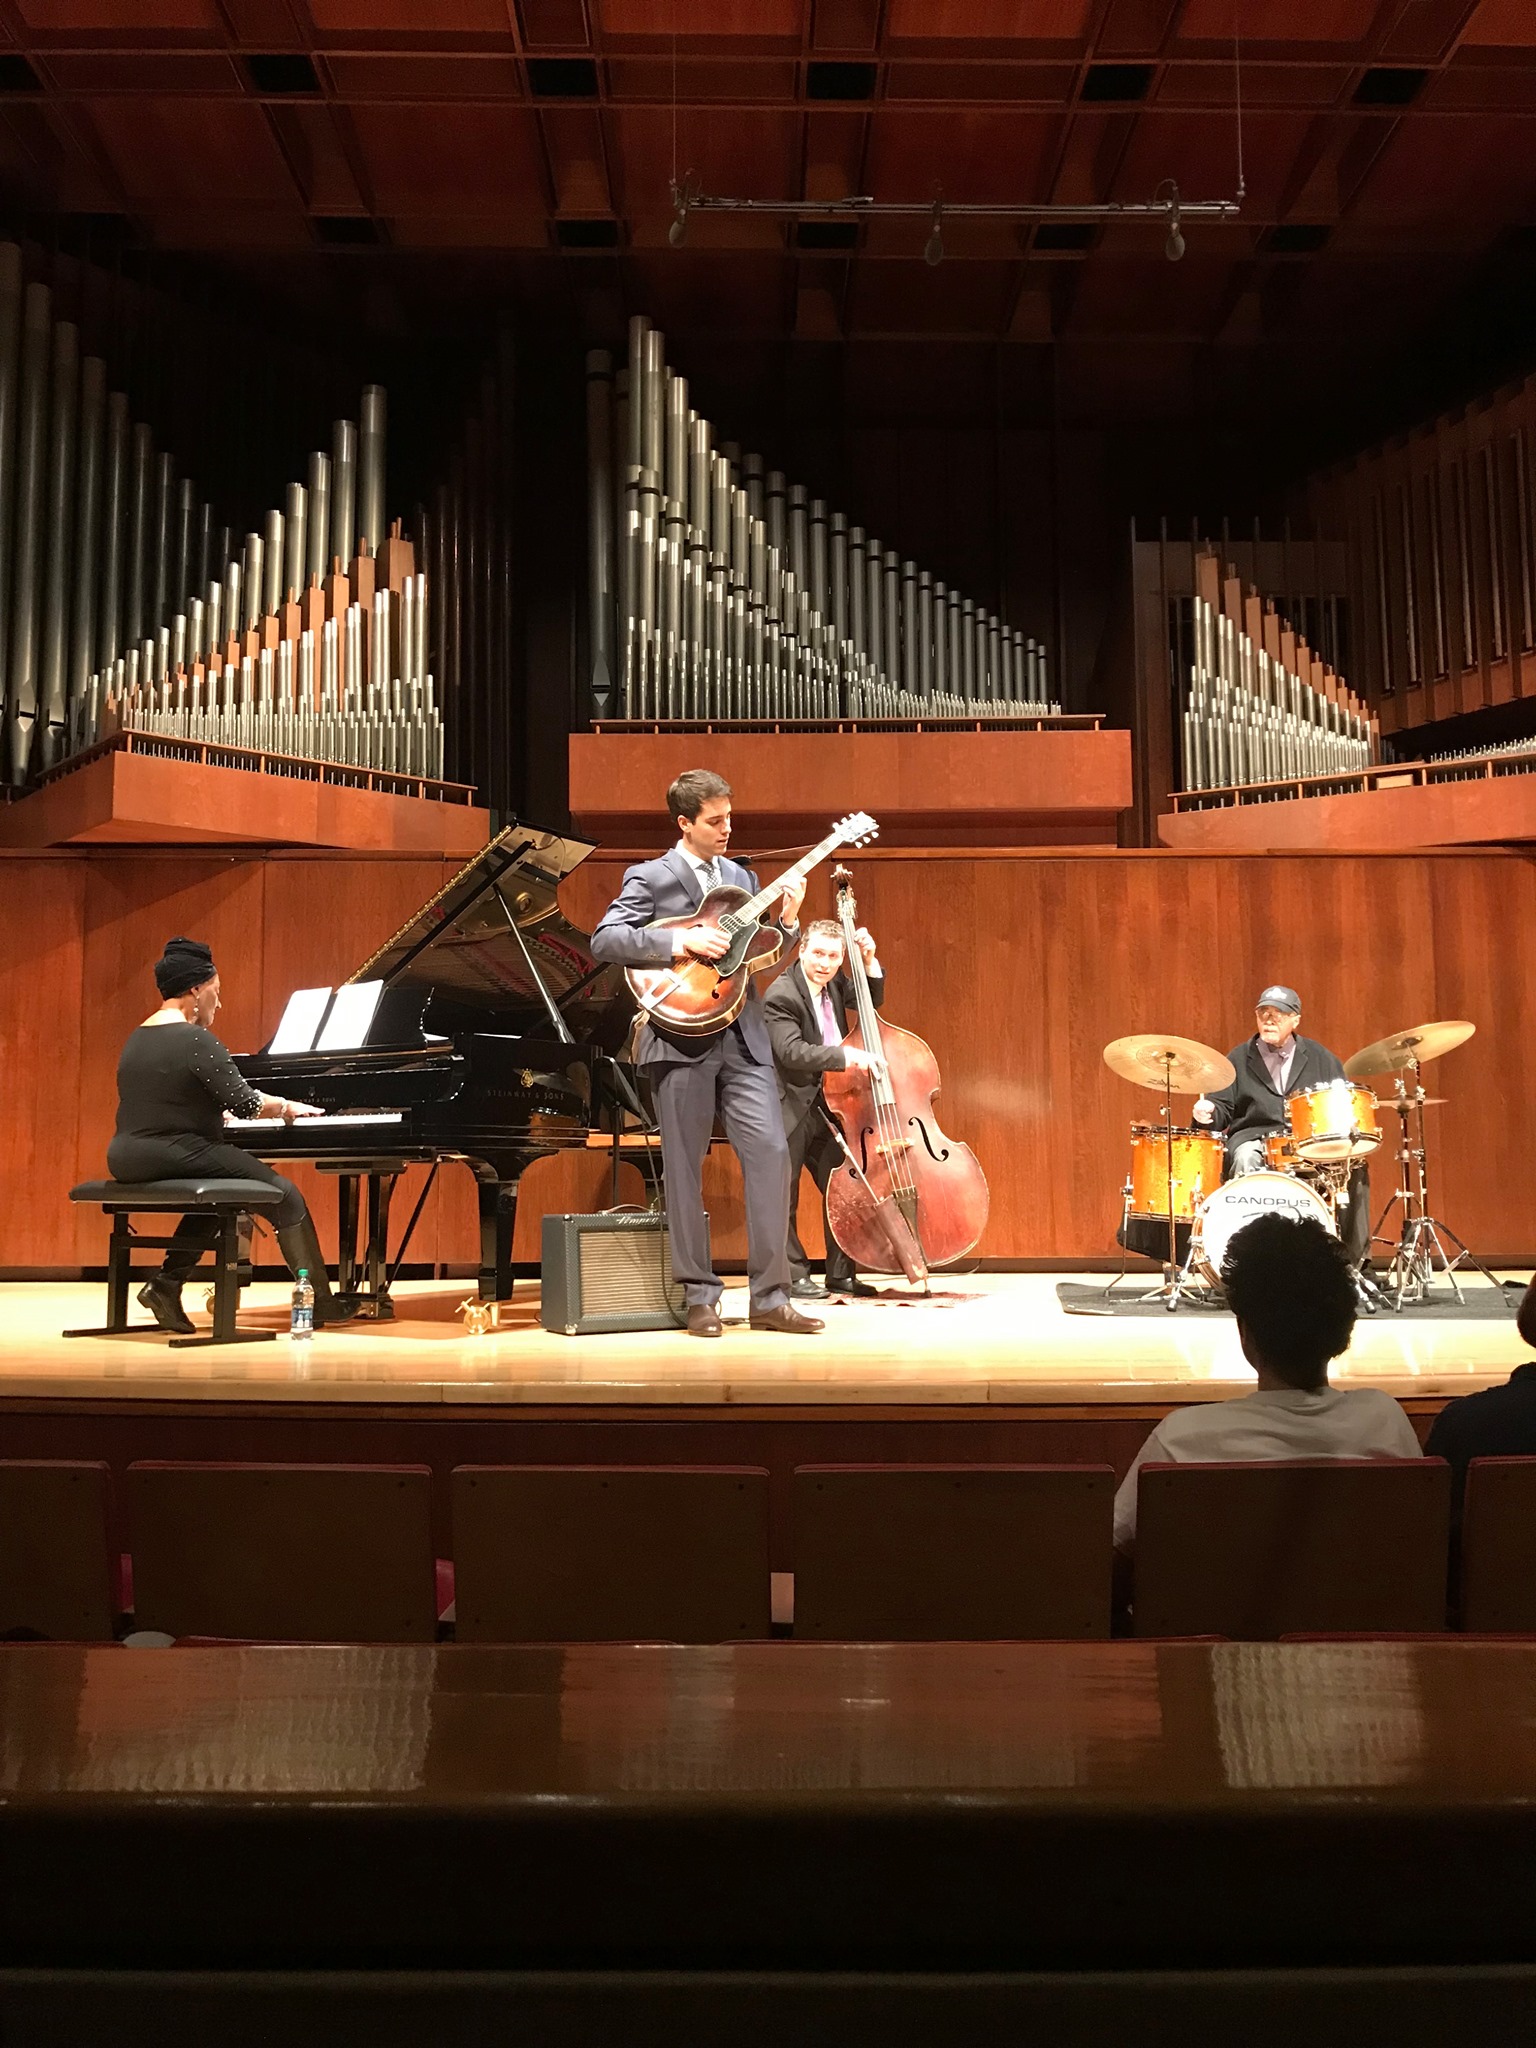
[[730, 1072]]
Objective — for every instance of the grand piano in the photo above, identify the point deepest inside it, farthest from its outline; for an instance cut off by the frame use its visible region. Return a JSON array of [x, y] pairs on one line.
[[492, 1038]]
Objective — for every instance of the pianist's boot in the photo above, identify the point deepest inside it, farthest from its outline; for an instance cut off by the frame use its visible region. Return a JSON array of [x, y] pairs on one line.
[[161, 1292], [301, 1248]]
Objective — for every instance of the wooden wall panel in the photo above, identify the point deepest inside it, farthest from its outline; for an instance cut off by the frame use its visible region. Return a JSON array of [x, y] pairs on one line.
[[1017, 966], [41, 1019]]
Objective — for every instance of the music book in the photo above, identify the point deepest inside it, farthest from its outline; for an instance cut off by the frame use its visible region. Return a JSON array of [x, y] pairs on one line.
[[351, 1016], [300, 1020]]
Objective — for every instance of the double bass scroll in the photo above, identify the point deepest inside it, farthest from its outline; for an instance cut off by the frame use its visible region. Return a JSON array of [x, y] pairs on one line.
[[906, 1197]]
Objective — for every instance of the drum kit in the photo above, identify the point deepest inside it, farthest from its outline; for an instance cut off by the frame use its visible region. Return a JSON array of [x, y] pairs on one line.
[[1176, 1181]]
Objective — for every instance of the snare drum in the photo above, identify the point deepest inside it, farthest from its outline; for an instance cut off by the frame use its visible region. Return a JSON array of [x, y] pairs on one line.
[[1240, 1201], [1198, 1157], [1335, 1120]]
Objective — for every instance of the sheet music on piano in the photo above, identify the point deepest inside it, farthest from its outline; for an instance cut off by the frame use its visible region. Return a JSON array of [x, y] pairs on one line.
[[327, 1019]]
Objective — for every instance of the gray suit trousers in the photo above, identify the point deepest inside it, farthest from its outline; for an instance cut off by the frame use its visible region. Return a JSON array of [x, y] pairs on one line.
[[687, 1094]]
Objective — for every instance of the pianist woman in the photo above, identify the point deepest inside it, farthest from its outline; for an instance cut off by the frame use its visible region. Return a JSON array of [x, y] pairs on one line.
[[174, 1082]]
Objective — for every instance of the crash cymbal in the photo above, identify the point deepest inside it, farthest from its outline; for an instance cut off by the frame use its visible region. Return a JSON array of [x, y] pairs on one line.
[[1423, 1043], [1160, 1061]]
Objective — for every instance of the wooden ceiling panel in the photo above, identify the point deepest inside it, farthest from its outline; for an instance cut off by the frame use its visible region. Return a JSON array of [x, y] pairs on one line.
[[971, 21], [554, 24], [1200, 152], [87, 73], [748, 154], [125, 19], [409, 17], [1143, 293], [773, 79], [1278, 21], [688, 291], [573, 141], [1264, 85], [1443, 171], [480, 159], [1510, 24], [1036, 84], [914, 298], [317, 159], [194, 153], [969, 153], [425, 75], [778, 19]]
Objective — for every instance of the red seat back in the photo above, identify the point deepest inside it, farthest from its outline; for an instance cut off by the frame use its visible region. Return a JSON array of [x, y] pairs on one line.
[[610, 1553], [1265, 1548], [55, 1554], [912, 1553], [284, 1553], [1498, 1546]]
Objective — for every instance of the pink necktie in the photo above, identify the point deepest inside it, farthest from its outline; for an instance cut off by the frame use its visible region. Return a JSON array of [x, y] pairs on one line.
[[830, 1035]]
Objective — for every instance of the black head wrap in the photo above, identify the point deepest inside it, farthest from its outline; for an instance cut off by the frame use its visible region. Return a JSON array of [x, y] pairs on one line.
[[185, 963]]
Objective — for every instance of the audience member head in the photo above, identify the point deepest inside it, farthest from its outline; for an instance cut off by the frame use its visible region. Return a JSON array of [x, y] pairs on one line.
[[188, 980], [1291, 1290]]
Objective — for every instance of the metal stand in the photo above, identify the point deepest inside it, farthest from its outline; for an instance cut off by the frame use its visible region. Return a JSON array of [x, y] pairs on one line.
[[1422, 1236], [1177, 1282]]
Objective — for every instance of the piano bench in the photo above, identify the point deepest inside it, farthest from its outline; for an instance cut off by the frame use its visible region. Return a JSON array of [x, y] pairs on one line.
[[229, 1200]]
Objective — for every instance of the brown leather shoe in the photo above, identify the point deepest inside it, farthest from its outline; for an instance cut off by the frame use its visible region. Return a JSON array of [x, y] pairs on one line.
[[786, 1320], [703, 1320]]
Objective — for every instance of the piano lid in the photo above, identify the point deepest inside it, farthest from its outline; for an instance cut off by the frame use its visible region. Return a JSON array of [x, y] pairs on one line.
[[471, 952]]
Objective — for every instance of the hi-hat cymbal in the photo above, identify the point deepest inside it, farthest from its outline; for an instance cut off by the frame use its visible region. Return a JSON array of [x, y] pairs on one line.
[[1182, 1065], [1423, 1043]]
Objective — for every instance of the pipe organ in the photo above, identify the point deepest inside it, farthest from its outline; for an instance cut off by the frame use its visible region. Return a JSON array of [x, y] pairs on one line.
[[1251, 716], [124, 604], [719, 590]]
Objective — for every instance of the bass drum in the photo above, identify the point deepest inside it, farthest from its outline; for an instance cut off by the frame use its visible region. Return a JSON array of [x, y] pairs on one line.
[[1240, 1201]]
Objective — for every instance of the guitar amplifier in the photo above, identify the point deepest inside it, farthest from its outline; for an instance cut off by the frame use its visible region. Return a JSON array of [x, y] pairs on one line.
[[602, 1274]]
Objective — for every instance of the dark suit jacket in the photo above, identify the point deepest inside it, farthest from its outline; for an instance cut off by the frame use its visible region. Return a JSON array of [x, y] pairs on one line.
[[668, 887], [794, 1026], [1252, 1104], [1500, 1422]]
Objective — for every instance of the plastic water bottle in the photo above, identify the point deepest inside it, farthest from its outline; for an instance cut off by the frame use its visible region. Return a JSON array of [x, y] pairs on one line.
[[301, 1316]]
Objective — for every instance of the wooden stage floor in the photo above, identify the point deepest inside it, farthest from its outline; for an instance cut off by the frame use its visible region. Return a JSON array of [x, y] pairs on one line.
[[981, 1339]]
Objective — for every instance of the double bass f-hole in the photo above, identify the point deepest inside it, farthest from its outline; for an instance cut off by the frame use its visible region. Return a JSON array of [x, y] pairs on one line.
[[907, 1198]]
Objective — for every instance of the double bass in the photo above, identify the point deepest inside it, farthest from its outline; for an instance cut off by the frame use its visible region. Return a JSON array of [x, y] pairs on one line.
[[905, 1197]]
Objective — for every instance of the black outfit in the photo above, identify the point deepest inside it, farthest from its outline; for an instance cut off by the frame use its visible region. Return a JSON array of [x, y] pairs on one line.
[[801, 1057], [1500, 1422], [174, 1081], [1251, 1105]]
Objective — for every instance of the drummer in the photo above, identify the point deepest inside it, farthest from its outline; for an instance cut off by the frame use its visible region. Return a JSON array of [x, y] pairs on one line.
[[1276, 1062]]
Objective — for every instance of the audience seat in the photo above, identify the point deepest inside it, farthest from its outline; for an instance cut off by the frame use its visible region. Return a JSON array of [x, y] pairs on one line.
[[1498, 1546], [913, 1553], [56, 1563], [1257, 1550], [610, 1553], [284, 1553]]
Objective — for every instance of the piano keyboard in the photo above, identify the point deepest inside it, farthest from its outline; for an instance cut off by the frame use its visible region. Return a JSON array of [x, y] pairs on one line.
[[316, 1123]]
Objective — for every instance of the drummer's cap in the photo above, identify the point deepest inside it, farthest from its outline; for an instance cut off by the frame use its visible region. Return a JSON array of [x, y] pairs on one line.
[[1276, 997]]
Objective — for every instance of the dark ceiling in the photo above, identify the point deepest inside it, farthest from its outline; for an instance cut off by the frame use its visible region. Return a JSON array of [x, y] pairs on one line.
[[401, 168]]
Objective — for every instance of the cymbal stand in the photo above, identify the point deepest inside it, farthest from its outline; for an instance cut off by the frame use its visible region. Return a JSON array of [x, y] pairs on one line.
[[1422, 1236], [1177, 1283]]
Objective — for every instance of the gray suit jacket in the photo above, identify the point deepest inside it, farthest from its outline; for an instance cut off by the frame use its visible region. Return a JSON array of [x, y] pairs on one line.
[[668, 887]]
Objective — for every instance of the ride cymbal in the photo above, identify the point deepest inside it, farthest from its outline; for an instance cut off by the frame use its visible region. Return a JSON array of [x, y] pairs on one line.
[[1181, 1066], [1424, 1042]]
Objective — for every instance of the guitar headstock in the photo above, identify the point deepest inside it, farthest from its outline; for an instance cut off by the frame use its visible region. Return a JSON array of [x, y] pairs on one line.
[[857, 829]]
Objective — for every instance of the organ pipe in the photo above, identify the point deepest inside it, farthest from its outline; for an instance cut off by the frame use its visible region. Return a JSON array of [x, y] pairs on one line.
[[720, 589]]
